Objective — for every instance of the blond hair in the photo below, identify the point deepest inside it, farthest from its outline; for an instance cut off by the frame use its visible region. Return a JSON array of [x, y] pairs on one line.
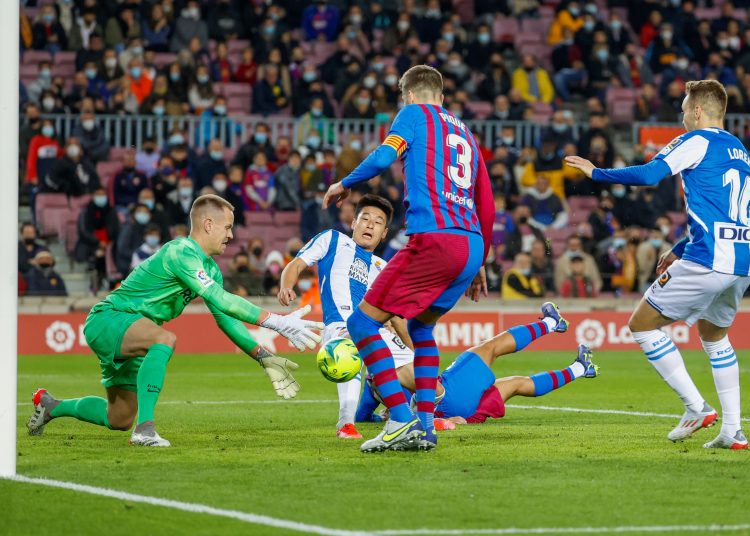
[[207, 203], [710, 95], [422, 80]]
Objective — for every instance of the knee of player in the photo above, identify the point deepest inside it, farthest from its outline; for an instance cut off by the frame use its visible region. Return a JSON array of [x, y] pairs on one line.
[[167, 338], [121, 422]]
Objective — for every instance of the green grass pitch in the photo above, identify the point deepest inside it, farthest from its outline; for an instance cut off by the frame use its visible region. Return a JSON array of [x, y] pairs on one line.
[[534, 468]]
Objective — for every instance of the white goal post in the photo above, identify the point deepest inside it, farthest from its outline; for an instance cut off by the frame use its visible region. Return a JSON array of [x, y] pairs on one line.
[[9, 86]]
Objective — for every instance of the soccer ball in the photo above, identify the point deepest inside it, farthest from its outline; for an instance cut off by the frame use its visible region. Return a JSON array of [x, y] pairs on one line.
[[339, 361]]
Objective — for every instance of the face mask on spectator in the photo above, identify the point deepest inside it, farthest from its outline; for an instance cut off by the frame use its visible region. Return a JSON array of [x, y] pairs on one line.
[[378, 66], [508, 140], [618, 243], [559, 127], [191, 13], [525, 271], [734, 42], [152, 240], [666, 35], [356, 19], [158, 110], [313, 141], [275, 269], [682, 64], [602, 54], [150, 203], [220, 109], [202, 78], [46, 269], [403, 25], [484, 38], [217, 155], [174, 76], [351, 35], [616, 25], [309, 76], [619, 164], [432, 14], [257, 251], [220, 185], [166, 171], [176, 139], [45, 73], [186, 191], [142, 217], [48, 18], [591, 9], [90, 74], [311, 167], [448, 36], [137, 50], [48, 103], [656, 242], [369, 82], [243, 269], [619, 192], [88, 124], [363, 102], [100, 201], [588, 25], [110, 63], [665, 229], [135, 72], [304, 285], [356, 145], [48, 131], [261, 137], [391, 80], [317, 112], [73, 151], [575, 11]]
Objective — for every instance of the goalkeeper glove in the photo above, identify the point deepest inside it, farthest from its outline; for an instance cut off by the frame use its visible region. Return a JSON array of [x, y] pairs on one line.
[[279, 371], [294, 328]]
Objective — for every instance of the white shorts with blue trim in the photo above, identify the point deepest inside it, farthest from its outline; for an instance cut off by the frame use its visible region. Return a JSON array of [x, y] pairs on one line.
[[402, 354], [691, 292]]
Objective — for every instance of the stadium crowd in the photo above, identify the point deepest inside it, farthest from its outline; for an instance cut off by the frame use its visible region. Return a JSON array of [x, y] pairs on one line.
[[556, 233]]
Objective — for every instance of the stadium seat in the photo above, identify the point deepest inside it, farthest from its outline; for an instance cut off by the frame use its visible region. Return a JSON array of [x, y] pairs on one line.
[[107, 171], [237, 45], [583, 203], [287, 218], [262, 218], [558, 247], [482, 109], [162, 59], [49, 208], [579, 216], [504, 29], [35, 56], [538, 26]]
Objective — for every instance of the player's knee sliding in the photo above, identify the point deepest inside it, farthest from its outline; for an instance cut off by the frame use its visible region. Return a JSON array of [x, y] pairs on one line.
[[167, 338]]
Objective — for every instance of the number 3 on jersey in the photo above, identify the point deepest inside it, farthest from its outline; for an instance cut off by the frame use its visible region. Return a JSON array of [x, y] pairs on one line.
[[461, 174], [739, 197]]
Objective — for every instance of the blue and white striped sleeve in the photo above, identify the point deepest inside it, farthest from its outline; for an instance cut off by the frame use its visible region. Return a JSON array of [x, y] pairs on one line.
[[316, 248]]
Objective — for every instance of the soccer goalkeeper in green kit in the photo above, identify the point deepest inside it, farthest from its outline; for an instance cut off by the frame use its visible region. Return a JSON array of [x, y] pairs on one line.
[[124, 330]]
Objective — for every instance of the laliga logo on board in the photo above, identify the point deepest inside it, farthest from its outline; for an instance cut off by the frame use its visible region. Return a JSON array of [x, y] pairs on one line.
[[591, 333], [60, 336], [594, 334]]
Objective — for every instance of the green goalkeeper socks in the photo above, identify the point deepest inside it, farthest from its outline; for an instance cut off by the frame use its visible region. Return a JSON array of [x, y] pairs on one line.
[[151, 379], [91, 409]]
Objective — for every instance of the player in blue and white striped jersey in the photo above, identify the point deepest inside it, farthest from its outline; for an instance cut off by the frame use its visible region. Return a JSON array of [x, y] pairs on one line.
[[711, 275], [346, 269]]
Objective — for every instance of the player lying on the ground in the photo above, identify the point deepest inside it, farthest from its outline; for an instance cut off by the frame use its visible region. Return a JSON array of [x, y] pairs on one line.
[[124, 330], [346, 269], [468, 391]]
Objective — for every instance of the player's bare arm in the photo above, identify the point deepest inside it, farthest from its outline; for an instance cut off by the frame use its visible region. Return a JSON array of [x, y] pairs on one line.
[[289, 278]]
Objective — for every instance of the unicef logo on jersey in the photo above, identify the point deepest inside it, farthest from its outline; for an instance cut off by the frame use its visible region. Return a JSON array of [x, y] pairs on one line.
[[359, 271]]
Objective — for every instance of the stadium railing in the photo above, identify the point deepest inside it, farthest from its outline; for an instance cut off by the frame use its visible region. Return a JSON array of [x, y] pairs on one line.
[[737, 124], [131, 130]]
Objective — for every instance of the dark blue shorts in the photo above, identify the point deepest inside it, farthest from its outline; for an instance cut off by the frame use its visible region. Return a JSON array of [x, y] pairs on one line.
[[465, 382]]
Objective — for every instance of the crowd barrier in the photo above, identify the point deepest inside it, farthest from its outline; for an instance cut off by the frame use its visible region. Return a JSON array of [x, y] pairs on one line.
[[51, 334]]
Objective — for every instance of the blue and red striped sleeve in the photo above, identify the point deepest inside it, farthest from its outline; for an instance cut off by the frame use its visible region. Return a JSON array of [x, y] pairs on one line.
[[484, 202]]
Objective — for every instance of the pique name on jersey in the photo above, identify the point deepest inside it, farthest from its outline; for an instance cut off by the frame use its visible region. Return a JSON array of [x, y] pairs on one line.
[[359, 271], [738, 154], [453, 121]]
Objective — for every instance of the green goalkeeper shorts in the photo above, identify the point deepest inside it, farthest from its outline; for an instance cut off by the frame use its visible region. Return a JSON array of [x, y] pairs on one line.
[[104, 330]]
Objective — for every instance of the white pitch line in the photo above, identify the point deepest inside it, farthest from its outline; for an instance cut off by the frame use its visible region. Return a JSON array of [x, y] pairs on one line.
[[567, 530], [268, 521], [513, 406], [195, 508]]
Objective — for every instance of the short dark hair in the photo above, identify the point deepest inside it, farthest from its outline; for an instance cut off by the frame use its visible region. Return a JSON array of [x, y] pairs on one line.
[[422, 79], [152, 228], [371, 200]]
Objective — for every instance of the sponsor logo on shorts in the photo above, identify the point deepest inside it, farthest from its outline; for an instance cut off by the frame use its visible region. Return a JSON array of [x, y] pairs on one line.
[[736, 234], [203, 278], [664, 279]]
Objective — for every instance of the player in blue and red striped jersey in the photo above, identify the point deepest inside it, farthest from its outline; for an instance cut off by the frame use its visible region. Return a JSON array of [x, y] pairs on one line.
[[449, 216]]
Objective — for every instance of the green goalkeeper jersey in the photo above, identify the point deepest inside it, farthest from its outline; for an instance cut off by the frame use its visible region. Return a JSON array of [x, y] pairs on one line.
[[160, 287]]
